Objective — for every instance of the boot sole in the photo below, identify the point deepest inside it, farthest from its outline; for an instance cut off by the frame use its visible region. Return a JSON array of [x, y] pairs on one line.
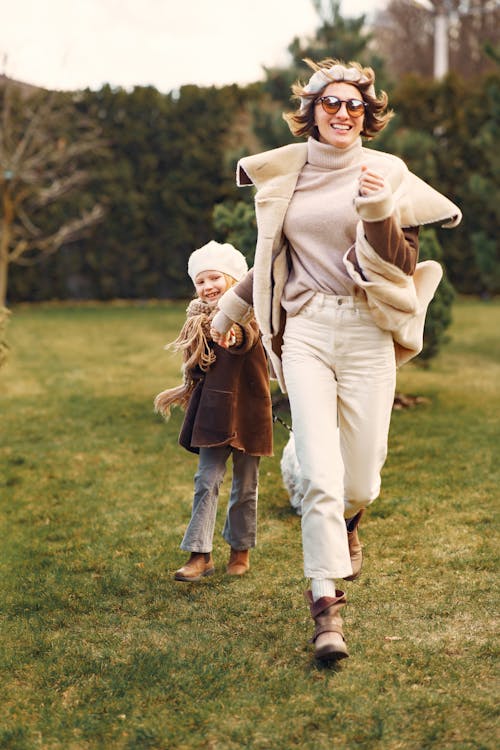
[[193, 579], [240, 571], [328, 655]]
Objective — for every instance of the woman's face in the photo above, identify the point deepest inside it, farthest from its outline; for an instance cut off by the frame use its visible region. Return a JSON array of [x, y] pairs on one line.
[[210, 286], [340, 129]]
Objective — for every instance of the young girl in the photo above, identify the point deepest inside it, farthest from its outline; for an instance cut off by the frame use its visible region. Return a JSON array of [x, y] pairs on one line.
[[227, 405]]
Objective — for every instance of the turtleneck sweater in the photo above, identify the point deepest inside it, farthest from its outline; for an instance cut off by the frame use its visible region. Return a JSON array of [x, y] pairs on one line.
[[320, 223]]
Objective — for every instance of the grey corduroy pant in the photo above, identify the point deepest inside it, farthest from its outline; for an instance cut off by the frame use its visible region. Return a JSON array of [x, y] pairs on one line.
[[240, 527]]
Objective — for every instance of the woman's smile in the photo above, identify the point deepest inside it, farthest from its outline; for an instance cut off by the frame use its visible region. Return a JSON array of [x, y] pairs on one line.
[[340, 129]]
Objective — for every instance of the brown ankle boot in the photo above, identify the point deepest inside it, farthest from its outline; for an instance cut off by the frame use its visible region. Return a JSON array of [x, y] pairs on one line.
[[355, 549], [200, 564], [239, 562], [328, 638]]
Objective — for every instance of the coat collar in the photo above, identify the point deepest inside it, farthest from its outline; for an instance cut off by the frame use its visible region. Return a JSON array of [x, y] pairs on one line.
[[275, 173], [261, 169]]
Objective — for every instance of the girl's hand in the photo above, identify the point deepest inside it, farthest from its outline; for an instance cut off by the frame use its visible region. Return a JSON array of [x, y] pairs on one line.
[[223, 339], [370, 182]]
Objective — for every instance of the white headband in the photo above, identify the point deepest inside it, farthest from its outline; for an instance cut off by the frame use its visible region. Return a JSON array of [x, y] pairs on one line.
[[324, 76]]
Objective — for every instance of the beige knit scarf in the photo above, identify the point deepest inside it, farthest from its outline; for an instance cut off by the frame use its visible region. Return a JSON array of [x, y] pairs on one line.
[[193, 341]]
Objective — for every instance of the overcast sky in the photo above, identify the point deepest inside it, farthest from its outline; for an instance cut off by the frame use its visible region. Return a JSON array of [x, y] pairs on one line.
[[73, 44]]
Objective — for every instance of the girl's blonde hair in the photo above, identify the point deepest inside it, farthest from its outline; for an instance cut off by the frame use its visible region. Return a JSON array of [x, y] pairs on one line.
[[230, 281], [301, 121], [194, 343]]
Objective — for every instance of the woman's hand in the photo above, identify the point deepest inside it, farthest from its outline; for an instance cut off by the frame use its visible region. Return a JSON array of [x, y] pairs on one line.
[[370, 182], [221, 329]]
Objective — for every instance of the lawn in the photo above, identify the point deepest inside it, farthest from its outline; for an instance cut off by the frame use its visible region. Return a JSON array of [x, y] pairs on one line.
[[101, 649]]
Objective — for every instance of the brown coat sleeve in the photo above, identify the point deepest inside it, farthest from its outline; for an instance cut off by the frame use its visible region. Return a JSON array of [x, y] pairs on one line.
[[247, 335], [393, 244]]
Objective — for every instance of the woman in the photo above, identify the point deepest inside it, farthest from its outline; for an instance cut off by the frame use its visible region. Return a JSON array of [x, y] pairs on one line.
[[341, 302]]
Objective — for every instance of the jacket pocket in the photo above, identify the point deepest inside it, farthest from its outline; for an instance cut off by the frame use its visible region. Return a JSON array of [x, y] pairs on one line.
[[214, 421]]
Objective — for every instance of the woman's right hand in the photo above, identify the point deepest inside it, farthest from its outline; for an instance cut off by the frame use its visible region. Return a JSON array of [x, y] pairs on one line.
[[220, 329], [223, 339]]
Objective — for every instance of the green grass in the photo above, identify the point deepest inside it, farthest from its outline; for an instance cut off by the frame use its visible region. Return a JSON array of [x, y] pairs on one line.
[[100, 648]]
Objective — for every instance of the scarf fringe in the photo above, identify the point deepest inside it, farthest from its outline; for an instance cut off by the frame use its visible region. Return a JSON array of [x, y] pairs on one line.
[[178, 396], [193, 342]]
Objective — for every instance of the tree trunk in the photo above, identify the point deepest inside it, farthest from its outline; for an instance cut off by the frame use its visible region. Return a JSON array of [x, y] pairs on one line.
[[4, 270], [440, 45], [8, 216]]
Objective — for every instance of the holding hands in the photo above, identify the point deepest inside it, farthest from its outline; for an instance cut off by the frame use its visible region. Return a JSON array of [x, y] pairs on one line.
[[370, 182], [223, 339], [221, 330]]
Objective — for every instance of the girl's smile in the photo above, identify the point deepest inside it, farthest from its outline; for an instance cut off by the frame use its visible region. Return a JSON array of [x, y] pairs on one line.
[[210, 286]]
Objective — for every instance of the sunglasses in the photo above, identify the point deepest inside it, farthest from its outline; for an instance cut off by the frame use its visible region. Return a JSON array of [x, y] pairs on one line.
[[332, 104]]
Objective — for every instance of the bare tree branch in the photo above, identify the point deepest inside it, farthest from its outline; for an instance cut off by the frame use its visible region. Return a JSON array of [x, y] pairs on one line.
[[59, 187], [70, 232], [44, 144]]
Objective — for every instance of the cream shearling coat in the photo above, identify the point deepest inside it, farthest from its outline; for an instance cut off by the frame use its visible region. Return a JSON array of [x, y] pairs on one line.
[[398, 302]]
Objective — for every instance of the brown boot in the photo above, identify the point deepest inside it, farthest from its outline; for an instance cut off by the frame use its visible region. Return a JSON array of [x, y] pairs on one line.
[[239, 562], [328, 636], [355, 549], [200, 564]]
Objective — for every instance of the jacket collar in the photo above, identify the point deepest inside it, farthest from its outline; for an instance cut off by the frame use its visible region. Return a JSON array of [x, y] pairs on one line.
[[261, 169], [275, 173]]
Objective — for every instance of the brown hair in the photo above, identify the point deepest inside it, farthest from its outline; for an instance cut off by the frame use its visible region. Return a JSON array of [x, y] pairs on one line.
[[301, 122]]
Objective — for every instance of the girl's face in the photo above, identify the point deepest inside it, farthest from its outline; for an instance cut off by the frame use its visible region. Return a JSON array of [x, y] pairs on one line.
[[210, 286], [340, 129]]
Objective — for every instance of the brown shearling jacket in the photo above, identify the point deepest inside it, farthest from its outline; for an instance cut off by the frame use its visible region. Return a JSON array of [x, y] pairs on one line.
[[231, 402]]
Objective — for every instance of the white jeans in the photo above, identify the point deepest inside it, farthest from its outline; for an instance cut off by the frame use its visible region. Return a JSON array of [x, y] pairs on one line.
[[340, 374]]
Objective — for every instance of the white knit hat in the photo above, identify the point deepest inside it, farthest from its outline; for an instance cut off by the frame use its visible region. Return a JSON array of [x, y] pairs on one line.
[[216, 257]]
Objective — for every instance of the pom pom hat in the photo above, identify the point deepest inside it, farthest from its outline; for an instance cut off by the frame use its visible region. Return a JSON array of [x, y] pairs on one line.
[[215, 256]]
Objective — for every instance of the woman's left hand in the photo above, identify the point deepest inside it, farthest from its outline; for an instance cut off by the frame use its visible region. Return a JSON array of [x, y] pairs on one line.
[[370, 182]]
